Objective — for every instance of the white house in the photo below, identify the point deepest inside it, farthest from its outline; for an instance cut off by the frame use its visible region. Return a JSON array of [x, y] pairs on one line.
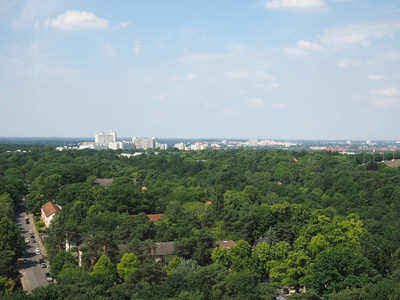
[[48, 211]]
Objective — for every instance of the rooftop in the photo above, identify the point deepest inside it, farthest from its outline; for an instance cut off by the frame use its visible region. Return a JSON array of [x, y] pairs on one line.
[[50, 208]]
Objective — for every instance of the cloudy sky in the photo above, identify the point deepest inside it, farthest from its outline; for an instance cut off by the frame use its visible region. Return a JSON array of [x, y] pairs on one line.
[[279, 69]]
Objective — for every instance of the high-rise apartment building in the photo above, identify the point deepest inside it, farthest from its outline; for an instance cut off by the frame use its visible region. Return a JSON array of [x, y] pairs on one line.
[[144, 143], [105, 139]]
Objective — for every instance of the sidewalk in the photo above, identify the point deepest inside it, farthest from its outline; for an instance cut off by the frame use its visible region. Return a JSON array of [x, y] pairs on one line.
[[37, 235]]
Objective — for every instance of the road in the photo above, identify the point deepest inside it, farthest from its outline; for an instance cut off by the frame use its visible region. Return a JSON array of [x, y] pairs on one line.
[[32, 273]]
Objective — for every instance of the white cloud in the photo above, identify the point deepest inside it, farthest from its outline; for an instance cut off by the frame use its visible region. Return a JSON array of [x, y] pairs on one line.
[[249, 75], [295, 51], [255, 102], [279, 105], [229, 111], [294, 4], [159, 97], [302, 48], [207, 104], [344, 37], [308, 45], [159, 44], [190, 76], [348, 63], [124, 24], [76, 20], [375, 77], [383, 103], [385, 92], [136, 47], [1, 99]]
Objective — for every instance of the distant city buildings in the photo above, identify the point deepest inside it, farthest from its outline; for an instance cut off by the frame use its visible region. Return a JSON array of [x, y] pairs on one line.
[[144, 143], [105, 139], [108, 141], [253, 142]]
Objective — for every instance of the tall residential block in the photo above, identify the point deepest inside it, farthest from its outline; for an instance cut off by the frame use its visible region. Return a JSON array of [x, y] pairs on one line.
[[105, 139]]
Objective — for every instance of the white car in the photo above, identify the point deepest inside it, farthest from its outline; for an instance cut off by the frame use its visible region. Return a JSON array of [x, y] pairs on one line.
[[38, 252], [37, 249], [26, 240]]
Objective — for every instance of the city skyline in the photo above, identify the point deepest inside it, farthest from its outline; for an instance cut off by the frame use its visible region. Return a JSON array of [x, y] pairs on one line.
[[278, 69]]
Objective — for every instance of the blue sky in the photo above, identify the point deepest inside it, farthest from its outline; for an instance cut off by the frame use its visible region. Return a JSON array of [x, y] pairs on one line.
[[278, 69]]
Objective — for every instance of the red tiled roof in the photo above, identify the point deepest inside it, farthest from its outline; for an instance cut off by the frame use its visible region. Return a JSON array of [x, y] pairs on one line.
[[226, 243], [153, 217], [50, 208]]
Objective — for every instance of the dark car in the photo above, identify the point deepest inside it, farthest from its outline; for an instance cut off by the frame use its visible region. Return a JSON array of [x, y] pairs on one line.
[[41, 261], [32, 236], [26, 221], [47, 274], [33, 241], [25, 261], [285, 291]]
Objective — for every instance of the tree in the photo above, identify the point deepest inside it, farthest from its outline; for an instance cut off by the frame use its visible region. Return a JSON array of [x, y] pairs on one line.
[[240, 255], [221, 256], [105, 268], [129, 262], [10, 237], [237, 285], [264, 254], [291, 271], [6, 206], [338, 268], [61, 260]]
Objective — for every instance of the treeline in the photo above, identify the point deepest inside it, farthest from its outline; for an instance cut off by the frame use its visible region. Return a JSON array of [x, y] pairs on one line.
[[330, 224]]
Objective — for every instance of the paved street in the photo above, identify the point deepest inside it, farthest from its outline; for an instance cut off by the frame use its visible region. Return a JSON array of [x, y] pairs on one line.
[[32, 273]]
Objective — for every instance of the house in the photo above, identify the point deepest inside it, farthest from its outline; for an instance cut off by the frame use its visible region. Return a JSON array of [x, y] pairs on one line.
[[163, 249], [259, 241], [106, 182], [227, 244], [47, 213], [153, 217]]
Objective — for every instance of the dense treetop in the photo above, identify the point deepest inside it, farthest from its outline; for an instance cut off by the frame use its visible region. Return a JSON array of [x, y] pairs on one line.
[[330, 223]]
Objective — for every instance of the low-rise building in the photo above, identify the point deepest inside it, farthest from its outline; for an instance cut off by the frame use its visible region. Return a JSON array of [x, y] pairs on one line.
[[48, 212]]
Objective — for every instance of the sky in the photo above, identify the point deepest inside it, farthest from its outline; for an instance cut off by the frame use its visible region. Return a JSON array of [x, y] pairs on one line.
[[272, 69]]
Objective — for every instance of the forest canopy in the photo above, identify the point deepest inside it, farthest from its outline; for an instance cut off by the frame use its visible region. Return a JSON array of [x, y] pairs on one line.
[[323, 224]]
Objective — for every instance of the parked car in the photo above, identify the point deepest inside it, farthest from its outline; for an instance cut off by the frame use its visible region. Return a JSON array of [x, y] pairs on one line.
[[285, 291], [38, 252], [33, 241], [43, 265], [47, 274], [26, 240], [32, 235], [41, 260], [25, 261], [30, 231], [49, 279], [26, 221]]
